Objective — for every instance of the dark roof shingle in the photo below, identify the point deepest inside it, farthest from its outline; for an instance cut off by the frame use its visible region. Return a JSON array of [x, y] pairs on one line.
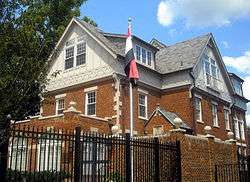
[[180, 56]]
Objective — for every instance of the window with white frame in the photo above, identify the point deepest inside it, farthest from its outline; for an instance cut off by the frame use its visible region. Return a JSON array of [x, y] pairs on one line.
[[18, 153], [142, 105], [144, 56], [211, 72], [90, 106], [215, 114], [158, 130], [75, 53], [236, 127], [238, 87], [242, 128], [59, 105], [69, 59], [149, 58], [49, 154], [81, 54], [226, 118], [198, 109], [138, 53]]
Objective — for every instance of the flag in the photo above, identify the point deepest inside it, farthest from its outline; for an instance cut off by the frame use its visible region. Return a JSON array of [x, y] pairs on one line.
[[131, 70]]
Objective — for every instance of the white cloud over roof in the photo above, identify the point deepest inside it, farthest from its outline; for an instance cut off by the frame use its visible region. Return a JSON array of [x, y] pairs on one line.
[[202, 13]]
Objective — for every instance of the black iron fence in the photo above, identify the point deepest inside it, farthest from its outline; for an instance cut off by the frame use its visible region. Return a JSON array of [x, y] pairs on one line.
[[233, 172], [58, 155]]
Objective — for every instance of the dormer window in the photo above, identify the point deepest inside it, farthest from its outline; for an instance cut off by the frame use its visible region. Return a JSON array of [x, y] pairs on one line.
[[143, 56], [238, 88], [211, 72]]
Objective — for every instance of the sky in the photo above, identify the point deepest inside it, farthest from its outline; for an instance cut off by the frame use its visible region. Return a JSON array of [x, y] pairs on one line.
[[172, 21]]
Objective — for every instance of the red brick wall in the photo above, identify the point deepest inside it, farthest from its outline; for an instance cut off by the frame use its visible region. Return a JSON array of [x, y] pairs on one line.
[[158, 120], [178, 101], [69, 122], [104, 100], [219, 132], [153, 99]]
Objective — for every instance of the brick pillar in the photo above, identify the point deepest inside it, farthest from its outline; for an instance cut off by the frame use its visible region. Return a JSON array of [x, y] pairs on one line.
[[211, 152]]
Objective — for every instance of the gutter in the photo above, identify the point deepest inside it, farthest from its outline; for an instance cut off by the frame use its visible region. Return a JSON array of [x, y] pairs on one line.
[[192, 100]]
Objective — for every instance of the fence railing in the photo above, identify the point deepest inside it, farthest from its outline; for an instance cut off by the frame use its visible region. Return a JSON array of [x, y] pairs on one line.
[[59, 155], [232, 173]]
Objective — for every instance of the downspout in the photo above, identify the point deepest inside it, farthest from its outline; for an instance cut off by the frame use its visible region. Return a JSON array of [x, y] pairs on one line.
[[192, 101]]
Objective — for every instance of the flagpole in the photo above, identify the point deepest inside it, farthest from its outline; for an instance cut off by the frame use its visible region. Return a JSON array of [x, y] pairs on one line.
[[131, 127]]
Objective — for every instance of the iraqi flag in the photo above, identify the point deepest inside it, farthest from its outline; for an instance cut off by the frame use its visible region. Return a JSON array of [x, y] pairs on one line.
[[130, 62]]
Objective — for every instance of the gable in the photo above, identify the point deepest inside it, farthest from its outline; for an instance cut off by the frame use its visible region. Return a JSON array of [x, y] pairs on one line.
[[97, 60], [210, 73]]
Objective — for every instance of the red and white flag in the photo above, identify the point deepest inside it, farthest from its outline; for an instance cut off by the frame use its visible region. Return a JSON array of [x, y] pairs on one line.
[[130, 62]]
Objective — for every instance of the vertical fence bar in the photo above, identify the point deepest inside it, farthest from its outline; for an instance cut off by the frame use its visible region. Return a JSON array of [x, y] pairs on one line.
[[128, 157], [77, 166], [157, 160], [178, 145], [216, 174]]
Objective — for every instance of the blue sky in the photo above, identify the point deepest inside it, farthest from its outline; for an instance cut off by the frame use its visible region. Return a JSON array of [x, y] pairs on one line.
[[172, 21]]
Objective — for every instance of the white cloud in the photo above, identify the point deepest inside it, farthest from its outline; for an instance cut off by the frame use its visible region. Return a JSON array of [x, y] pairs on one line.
[[246, 92], [241, 63], [225, 44], [202, 13], [164, 14]]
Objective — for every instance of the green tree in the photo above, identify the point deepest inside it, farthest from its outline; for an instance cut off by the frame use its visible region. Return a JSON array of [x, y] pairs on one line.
[[29, 30]]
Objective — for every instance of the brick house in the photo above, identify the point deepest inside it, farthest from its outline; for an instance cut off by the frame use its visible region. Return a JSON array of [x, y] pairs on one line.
[[87, 86]]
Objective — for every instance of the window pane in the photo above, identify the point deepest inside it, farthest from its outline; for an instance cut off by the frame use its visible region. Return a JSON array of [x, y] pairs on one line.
[[69, 63], [198, 109], [91, 109], [207, 67], [149, 55], [69, 52], [60, 106], [81, 48], [80, 59], [143, 56], [142, 111], [138, 53]]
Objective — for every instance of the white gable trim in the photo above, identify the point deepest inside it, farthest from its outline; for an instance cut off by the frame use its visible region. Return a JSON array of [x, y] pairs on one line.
[[87, 31], [96, 39]]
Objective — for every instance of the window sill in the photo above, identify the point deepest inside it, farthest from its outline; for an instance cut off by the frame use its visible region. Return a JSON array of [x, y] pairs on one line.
[[143, 118], [213, 89], [216, 126], [201, 122], [228, 130]]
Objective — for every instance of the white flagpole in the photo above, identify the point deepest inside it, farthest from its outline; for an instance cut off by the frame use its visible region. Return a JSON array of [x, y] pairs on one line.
[[131, 127]]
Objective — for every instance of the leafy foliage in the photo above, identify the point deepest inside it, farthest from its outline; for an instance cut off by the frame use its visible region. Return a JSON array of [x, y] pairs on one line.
[[42, 176], [114, 177], [29, 31]]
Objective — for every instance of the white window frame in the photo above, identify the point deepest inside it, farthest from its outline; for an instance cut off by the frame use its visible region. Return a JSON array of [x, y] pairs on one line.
[[65, 57], [140, 48], [74, 44], [138, 56], [197, 97], [236, 127], [87, 100], [57, 105], [45, 158], [79, 54], [227, 118], [214, 80], [143, 93], [215, 114], [236, 84], [242, 128], [158, 130]]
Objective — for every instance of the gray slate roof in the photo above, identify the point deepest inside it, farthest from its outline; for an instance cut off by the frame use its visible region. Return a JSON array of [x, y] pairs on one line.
[[177, 57], [97, 33], [180, 56]]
